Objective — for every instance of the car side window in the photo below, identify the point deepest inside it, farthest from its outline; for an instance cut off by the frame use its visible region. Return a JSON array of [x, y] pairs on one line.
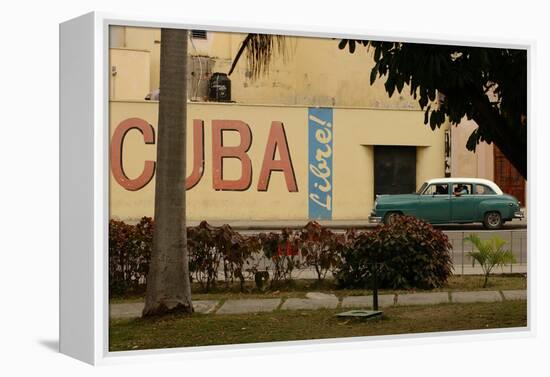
[[484, 190], [437, 189], [460, 189]]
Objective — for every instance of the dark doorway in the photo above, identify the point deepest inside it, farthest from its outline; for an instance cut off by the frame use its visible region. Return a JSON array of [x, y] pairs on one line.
[[507, 177], [394, 170]]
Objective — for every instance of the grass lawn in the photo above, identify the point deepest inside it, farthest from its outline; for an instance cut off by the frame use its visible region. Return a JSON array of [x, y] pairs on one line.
[[299, 288], [282, 325]]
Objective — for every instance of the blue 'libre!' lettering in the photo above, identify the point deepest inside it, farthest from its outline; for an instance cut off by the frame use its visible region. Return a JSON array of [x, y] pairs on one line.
[[320, 152]]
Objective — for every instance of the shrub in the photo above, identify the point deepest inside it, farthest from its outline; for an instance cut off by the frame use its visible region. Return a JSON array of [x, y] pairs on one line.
[[409, 253], [209, 248], [204, 256], [489, 254], [213, 247], [129, 255], [320, 248], [352, 269], [282, 249], [237, 254]]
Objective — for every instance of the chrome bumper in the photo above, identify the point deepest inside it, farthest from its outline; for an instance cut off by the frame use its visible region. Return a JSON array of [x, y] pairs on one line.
[[374, 219], [519, 215]]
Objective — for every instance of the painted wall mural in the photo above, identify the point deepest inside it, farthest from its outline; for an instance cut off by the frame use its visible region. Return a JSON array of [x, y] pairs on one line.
[[277, 143], [320, 153]]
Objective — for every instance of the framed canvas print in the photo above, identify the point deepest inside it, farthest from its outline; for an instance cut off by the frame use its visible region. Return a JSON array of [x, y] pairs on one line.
[[239, 187]]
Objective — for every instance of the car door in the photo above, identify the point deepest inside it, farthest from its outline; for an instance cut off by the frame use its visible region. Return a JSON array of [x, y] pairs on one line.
[[463, 206], [434, 204], [484, 193]]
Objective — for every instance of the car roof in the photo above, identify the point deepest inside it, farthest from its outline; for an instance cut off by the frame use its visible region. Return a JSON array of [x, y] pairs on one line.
[[486, 182]]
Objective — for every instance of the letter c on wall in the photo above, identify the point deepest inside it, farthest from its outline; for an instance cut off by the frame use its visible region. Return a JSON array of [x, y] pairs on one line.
[[117, 143]]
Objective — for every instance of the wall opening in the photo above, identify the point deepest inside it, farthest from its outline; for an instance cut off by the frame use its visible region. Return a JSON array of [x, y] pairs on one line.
[[394, 170]]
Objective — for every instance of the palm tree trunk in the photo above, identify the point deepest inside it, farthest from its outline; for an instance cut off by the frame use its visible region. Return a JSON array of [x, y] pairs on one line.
[[168, 283]]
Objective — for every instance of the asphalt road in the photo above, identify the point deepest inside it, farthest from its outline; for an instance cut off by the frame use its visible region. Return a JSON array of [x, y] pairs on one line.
[[258, 226], [446, 228]]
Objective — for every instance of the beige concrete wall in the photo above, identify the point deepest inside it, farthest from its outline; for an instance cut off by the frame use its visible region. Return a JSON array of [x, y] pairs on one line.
[[356, 131], [147, 39], [314, 72], [328, 76], [216, 45], [129, 74], [203, 202], [117, 37], [465, 163], [311, 72]]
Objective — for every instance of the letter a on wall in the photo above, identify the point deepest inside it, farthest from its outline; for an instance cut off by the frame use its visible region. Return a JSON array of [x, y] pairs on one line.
[[320, 154]]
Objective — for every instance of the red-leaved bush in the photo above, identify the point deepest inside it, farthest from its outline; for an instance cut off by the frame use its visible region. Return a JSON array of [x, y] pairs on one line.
[[409, 253], [282, 250], [320, 248], [130, 249]]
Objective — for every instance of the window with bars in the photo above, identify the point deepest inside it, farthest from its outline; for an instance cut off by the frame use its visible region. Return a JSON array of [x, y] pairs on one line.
[[198, 34]]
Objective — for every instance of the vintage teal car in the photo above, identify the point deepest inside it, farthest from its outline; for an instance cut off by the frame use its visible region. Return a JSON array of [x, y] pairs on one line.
[[451, 200]]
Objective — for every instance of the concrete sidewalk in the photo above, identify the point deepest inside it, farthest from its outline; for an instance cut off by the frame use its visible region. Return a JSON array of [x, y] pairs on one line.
[[316, 300]]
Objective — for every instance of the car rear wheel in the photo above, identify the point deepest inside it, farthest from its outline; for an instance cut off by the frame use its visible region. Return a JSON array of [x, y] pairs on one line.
[[492, 220], [390, 217]]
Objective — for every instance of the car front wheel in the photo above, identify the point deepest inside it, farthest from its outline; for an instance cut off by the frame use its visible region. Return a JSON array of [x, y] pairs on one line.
[[492, 220], [391, 217]]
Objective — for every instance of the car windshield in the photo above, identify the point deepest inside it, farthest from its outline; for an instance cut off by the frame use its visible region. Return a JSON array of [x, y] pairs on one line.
[[422, 188]]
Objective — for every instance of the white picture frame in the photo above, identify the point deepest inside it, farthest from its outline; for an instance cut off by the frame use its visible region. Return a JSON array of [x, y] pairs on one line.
[[84, 192]]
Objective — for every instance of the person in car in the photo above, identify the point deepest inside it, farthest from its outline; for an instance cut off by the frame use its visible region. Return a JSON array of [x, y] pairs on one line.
[[460, 190], [442, 190]]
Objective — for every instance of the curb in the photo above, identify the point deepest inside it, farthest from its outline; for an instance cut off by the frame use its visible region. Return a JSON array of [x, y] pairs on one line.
[[366, 301]]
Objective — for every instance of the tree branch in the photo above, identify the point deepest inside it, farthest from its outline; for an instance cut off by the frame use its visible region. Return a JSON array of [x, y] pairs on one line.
[[239, 53]]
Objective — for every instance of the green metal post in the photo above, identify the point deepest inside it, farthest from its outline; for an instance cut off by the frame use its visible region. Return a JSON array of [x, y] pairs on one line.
[[375, 287]]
